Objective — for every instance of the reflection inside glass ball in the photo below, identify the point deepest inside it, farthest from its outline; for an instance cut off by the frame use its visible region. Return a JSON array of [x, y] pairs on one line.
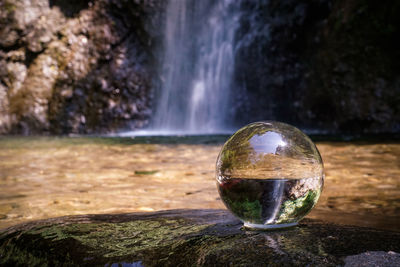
[[269, 175]]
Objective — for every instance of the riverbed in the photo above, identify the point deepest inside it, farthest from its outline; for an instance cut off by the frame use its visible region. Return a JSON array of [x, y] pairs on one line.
[[44, 177]]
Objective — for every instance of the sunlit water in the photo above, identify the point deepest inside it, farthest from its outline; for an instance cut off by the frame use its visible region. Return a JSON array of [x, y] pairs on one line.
[[49, 177]]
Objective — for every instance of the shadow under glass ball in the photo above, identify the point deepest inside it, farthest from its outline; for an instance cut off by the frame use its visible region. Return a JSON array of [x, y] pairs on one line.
[[269, 175]]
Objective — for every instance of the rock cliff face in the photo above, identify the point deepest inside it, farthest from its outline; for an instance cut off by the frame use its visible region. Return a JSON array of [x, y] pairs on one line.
[[90, 66], [76, 66], [326, 65]]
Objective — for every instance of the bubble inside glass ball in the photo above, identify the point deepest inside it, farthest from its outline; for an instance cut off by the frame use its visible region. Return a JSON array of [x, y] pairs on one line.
[[269, 175]]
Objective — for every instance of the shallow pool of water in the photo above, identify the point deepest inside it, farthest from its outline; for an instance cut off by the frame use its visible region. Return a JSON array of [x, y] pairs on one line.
[[43, 177]]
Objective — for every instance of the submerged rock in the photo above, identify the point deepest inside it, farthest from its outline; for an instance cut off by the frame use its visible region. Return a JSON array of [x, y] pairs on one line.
[[190, 237]]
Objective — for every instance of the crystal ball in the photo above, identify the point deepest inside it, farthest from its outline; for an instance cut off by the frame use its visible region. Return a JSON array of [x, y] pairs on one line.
[[269, 175]]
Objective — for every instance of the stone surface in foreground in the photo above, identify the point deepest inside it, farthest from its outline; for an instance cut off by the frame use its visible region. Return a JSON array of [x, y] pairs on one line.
[[190, 237]]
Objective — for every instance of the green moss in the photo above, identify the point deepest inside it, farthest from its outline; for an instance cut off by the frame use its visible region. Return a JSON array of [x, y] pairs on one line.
[[117, 240], [189, 239], [9, 7], [20, 257]]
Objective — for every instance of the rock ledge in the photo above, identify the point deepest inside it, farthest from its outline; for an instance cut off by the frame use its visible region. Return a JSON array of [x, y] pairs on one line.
[[191, 237]]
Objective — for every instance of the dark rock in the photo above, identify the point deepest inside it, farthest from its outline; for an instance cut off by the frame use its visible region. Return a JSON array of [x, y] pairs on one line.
[[374, 258], [191, 237], [328, 65]]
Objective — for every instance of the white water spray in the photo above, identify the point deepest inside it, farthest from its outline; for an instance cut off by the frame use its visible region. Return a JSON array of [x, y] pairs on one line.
[[198, 67]]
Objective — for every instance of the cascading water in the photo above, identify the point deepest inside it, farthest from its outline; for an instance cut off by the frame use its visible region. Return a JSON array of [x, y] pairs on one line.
[[198, 66]]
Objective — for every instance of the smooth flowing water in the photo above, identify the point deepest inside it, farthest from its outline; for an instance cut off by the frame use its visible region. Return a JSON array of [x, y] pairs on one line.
[[49, 177], [197, 67]]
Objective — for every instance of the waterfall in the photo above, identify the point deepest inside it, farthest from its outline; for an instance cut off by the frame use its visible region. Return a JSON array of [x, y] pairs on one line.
[[198, 66]]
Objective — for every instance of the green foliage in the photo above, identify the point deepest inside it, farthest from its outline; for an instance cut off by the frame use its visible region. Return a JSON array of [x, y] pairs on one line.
[[298, 207], [246, 210], [228, 159]]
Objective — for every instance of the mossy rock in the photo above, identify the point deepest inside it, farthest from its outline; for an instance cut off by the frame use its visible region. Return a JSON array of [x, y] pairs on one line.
[[187, 238]]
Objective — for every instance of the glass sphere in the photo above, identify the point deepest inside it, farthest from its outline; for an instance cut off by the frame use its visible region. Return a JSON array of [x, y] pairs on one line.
[[269, 175]]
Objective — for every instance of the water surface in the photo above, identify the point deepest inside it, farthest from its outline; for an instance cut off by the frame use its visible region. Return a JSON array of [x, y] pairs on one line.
[[43, 177]]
